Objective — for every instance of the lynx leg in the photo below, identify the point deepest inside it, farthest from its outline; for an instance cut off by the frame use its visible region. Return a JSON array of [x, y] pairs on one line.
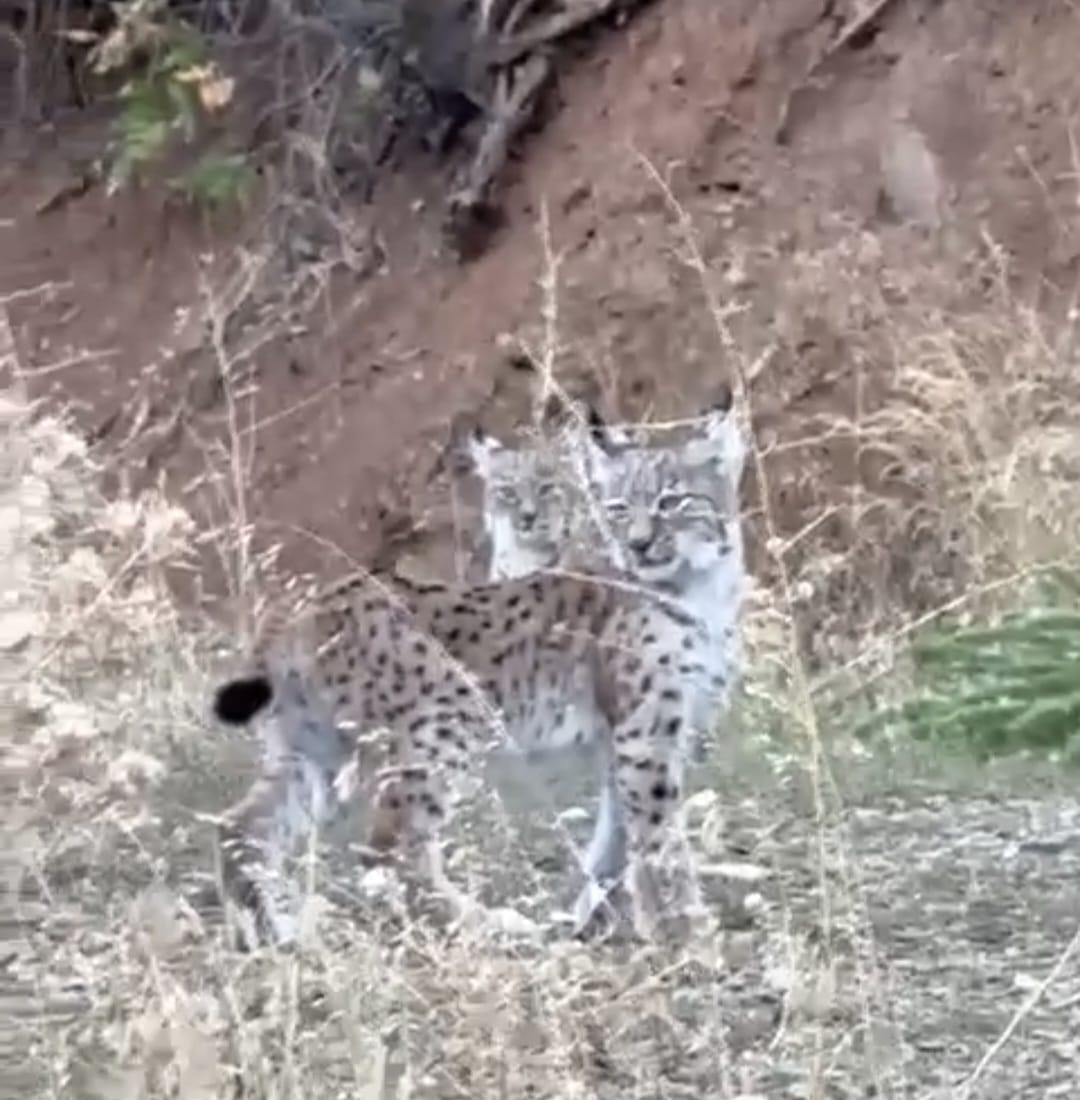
[[661, 876], [410, 808], [605, 859], [662, 879], [280, 812]]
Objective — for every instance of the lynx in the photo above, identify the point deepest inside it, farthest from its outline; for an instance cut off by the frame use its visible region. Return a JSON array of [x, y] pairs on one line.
[[536, 507], [674, 511], [535, 517], [449, 672]]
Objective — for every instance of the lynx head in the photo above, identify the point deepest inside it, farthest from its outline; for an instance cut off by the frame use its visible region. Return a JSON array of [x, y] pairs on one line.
[[525, 504], [673, 510]]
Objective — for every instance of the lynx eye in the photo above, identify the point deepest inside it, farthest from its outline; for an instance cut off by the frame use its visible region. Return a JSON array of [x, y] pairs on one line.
[[618, 511], [669, 503], [549, 491], [504, 496]]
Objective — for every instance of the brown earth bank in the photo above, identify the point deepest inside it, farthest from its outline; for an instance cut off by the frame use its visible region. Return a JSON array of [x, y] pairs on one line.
[[783, 192]]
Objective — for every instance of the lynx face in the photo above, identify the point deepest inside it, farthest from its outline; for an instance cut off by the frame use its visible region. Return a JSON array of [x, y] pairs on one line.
[[666, 521], [673, 510], [526, 506]]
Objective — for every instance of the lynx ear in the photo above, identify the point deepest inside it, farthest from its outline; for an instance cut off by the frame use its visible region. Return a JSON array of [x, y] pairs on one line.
[[552, 412], [478, 450], [563, 410], [558, 413], [722, 440], [467, 451], [598, 431], [612, 441], [723, 400]]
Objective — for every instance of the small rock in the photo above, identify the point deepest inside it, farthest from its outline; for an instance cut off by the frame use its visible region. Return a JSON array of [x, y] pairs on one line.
[[573, 815], [738, 872], [512, 924]]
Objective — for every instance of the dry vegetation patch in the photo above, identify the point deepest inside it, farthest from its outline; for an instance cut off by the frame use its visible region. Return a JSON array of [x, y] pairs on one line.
[[884, 949]]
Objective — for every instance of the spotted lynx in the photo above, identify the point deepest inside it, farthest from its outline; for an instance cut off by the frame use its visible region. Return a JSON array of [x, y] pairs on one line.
[[536, 506], [531, 488], [536, 518], [674, 511], [448, 672]]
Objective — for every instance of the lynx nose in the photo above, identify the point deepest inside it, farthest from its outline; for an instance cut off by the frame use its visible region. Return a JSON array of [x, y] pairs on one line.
[[527, 519], [639, 536], [639, 547]]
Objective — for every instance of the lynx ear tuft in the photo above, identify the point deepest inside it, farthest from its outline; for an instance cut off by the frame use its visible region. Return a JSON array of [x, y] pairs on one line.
[[723, 400]]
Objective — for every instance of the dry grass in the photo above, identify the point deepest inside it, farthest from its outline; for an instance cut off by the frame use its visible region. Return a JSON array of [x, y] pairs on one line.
[[922, 947], [954, 466], [936, 478]]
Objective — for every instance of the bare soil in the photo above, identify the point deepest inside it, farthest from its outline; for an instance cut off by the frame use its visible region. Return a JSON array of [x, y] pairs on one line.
[[941, 130]]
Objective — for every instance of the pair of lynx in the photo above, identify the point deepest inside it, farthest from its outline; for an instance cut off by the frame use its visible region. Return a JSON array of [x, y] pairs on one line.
[[629, 647]]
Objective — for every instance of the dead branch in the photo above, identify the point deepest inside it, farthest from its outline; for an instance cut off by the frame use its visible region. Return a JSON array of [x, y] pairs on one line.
[[515, 15], [511, 49], [510, 115]]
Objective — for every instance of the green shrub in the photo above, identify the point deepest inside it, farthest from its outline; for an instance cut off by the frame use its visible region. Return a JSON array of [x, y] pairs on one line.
[[172, 90], [216, 179], [1003, 688]]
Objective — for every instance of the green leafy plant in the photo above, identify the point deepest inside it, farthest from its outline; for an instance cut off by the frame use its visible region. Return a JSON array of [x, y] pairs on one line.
[[217, 179], [1004, 688], [172, 90]]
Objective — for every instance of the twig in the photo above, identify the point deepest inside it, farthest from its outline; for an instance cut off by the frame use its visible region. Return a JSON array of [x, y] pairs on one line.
[[549, 285], [515, 15], [1036, 995], [71, 361], [1068, 1002], [49, 287], [555, 27], [857, 27], [21, 81]]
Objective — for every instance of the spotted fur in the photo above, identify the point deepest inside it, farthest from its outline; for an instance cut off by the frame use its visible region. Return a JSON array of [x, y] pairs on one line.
[[671, 515], [536, 518], [527, 505], [450, 673], [637, 657], [674, 513]]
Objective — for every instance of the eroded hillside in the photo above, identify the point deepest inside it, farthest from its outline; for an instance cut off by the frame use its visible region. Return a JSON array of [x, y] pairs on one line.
[[788, 192]]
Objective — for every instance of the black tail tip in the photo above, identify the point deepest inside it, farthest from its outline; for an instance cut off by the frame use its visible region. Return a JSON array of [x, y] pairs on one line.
[[239, 701]]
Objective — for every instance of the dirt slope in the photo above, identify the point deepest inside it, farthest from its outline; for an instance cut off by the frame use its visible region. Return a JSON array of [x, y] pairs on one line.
[[811, 172]]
